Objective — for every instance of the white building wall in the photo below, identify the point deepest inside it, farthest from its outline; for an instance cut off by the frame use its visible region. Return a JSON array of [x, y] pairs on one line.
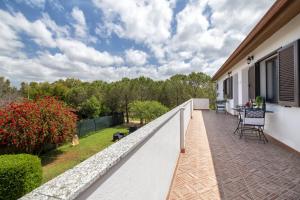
[[282, 124], [220, 89]]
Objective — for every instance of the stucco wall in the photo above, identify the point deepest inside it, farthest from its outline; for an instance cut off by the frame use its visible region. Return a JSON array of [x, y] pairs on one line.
[[282, 124], [147, 174]]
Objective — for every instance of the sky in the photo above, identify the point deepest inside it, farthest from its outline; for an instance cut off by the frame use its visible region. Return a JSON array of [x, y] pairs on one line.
[[47, 40]]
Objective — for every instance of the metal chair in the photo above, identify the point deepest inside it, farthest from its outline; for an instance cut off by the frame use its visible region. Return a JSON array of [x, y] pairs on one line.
[[254, 120], [239, 109], [221, 106]]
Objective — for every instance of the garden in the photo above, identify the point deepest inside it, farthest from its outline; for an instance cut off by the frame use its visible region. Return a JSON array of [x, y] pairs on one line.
[[37, 140], [43, 128]]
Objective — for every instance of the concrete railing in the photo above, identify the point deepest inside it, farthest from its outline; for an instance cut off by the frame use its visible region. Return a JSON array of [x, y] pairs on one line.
[[140, 166]]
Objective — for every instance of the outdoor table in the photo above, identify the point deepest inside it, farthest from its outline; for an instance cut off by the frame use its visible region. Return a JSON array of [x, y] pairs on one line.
[[240, 109]]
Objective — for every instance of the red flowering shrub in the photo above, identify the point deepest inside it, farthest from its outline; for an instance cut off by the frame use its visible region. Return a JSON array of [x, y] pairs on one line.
[[30, 125]]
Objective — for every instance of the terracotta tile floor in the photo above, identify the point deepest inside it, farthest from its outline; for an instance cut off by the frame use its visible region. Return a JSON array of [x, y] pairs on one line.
[[219, 165]]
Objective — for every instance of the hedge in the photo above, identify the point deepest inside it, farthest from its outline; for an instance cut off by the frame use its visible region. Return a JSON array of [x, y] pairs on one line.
[[19, 174]]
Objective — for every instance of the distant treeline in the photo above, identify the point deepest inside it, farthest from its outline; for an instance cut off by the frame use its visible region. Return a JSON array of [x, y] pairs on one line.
[[97, 98]]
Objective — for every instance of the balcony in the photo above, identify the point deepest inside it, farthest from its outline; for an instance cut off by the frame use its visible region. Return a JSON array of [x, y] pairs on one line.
[[219, 165], [148, 164]]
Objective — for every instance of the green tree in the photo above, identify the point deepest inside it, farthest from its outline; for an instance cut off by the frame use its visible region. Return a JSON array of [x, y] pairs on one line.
[[112, 98], [117, 96], [76, 96], [91, 108], [59, 90], [8, 93], [4, 86], [147, 110], [126, 95]]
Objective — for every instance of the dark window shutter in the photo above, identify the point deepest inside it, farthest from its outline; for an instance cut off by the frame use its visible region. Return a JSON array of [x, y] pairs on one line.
[[227, 88], [251, 82], [257, 79], [254, 81], [230, 83], [224, 88], [289, 75]]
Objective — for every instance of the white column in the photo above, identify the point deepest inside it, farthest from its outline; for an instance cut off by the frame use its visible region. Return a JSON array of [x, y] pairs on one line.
[[182, 135], [191, 103]]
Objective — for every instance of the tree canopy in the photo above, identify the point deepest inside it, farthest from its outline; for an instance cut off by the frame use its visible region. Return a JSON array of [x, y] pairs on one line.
[[92, 99], [146, 111]]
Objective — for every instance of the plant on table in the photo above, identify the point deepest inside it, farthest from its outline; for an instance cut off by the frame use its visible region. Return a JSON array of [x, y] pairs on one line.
[[259, 101]]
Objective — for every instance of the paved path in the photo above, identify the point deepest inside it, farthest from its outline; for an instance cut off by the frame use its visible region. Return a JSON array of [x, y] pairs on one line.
[[219, 165]]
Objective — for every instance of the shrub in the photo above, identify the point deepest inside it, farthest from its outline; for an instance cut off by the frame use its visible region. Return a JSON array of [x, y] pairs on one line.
[[28, 126], [19, 174]]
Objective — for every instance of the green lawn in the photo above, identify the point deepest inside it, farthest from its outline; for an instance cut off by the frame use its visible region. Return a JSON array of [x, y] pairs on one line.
[[65, 157]]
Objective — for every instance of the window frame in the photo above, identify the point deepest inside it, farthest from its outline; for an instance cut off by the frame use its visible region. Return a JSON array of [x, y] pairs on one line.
[[228, 88], [272, 58]]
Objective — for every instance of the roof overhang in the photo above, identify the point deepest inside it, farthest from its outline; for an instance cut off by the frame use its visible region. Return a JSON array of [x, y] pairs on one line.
[[281, 12]]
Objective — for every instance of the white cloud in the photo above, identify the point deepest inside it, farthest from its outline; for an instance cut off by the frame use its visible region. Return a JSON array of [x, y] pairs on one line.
[[146, 22], [33, 3], [41, 4], [9, 40], [58, 31], [37, 29], [80, 25], [81, 29], [135, 57], [78, 51], [56, 4], [207, 29], [212, 36], [139, 20], [75, 59], [200, 41], [22, 69]]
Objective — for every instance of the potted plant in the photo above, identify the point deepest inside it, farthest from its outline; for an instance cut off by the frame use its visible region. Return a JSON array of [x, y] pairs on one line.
[[259, 101]]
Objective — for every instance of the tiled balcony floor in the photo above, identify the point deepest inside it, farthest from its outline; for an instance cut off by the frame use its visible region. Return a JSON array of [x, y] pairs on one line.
[[219, 165]]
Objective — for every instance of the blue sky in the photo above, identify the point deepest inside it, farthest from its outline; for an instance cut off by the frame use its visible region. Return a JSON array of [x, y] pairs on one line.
[[47, 40]]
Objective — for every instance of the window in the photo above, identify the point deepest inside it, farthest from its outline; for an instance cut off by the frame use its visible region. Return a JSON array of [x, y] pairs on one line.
[[276, 76], [227, 88], [271, 81]]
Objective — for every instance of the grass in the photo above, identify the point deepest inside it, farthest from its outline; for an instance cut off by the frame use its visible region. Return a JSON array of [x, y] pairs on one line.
[[66, 156]]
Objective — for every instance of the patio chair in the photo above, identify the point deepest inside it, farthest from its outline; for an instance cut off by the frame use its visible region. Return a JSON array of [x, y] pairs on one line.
[[254, 120], [240, 115], [221, 106]]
